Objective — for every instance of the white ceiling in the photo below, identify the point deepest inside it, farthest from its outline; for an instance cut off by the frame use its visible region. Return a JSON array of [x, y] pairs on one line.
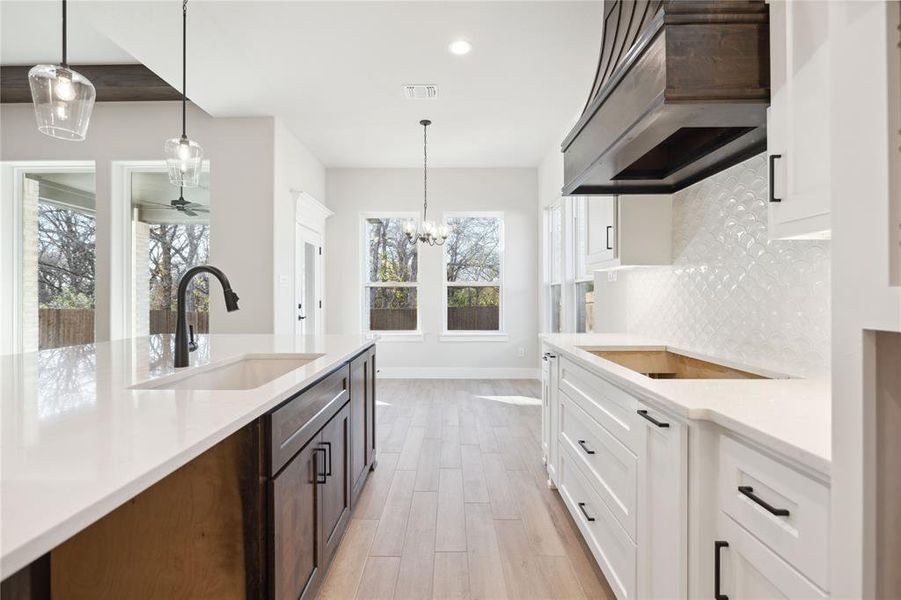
[[333, 71]]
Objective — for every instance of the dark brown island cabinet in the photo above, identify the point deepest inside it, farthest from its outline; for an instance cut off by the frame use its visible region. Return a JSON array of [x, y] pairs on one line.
[[259, 515]]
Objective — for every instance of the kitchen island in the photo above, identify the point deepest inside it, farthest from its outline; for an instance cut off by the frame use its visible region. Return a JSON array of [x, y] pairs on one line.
[[86, 430]]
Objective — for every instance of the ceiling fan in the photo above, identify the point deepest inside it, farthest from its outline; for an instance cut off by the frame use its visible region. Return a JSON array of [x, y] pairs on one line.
[[192, 209]]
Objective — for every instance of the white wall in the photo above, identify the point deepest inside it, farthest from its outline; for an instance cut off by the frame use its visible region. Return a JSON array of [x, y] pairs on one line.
[[512, 191], [295, 169], [250, 237]]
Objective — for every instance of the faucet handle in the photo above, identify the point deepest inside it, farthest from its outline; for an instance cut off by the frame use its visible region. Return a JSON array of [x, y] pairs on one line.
[[192, 345]]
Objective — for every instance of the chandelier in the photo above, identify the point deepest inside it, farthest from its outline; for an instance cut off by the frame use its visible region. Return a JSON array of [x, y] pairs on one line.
[[427, 231]]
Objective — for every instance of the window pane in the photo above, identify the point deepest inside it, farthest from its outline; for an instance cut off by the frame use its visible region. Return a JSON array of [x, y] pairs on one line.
[[473, 249], [392, 308], [584, 306], [392, 257], [58, 260], [556, 308], [473, 308]]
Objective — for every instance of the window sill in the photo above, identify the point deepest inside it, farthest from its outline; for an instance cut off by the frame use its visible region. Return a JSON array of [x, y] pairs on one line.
[[473, 336], [397, 336]]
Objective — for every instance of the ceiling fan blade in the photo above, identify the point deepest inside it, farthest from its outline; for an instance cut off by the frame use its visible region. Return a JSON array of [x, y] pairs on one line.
[[189, 212]]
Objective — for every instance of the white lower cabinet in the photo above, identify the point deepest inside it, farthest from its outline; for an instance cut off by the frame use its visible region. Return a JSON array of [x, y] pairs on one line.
[[663, 508], [611, 546], [631, 473], [746, 568]]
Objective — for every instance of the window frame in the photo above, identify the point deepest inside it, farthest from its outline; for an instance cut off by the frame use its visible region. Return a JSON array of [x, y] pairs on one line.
[[365, 284], [458, 335], [550, 282]]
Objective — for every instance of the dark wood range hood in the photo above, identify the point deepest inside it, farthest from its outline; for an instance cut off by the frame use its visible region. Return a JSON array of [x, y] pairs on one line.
[[680, 93]]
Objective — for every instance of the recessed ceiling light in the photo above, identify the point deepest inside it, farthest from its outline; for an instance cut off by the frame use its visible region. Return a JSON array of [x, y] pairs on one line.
[[460, 47]]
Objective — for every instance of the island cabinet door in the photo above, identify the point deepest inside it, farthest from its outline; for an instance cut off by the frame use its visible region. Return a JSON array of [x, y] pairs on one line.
[[296, 560], [359, 422], [335, 488]]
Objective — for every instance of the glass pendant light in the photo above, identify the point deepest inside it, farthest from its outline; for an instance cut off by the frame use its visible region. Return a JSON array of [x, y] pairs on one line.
[[184, 156], [63, 99], [427, 232]]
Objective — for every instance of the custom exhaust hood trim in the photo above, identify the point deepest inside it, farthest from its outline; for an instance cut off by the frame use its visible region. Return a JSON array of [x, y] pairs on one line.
[[680, 93]]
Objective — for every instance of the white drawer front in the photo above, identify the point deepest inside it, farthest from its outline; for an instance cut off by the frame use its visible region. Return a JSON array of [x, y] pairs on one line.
[[610, 406], [611, 468], [801, 537], [611, 546], [750, 570]]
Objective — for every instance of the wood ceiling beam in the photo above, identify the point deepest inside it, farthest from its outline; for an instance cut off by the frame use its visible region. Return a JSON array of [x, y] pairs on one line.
[[114, 83]]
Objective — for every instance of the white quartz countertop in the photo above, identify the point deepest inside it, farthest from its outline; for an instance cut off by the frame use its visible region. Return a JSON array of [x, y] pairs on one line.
[[789, 416], [77, 442]]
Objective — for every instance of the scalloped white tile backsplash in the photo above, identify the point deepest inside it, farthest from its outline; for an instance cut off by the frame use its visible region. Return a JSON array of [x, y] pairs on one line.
[[731, 292]]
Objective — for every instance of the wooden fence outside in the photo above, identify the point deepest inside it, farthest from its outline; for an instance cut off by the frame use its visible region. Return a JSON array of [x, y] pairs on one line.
[[462, 318], [72, 326], [163, 321], [65, 327]]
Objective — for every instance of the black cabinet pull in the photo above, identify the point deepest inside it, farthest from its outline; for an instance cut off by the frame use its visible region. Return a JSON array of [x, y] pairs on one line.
[[584, 512], [609, 228], [773, 197], [645, 414], [328, 469], [748, 491], [717, 546], [585, 448], [316, 470]]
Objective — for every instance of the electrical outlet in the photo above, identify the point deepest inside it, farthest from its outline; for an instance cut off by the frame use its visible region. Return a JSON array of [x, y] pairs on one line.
[[520, 352], [611, 275]]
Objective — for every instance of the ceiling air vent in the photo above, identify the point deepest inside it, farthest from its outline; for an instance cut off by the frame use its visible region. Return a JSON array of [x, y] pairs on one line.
[[421, 91]]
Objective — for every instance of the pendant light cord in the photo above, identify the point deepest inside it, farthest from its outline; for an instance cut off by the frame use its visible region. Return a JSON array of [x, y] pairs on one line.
[[184, 66], [65, 54], [425, 172]]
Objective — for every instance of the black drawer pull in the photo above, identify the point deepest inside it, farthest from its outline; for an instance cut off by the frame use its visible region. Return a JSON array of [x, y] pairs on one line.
[[717, 546], [748, 491], [773, 197], [585, 448], [645, 414], [609, 228], [584, 512], [328, 469], [318, 474]]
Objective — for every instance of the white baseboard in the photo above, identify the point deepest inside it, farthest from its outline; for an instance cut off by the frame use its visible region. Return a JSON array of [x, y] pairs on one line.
[[458, 373]]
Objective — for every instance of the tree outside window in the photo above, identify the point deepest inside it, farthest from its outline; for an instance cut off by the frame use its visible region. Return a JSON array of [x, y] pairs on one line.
[[391, 287], [473, 257]]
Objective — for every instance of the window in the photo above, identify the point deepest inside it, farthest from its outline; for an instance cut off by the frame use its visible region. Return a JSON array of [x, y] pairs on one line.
[[167, 240], [555, 267], [390, 278], [583, 280], [473, 259]]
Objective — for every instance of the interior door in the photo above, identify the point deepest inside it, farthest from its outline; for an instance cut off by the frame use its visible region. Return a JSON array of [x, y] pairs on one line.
[[307, 281]]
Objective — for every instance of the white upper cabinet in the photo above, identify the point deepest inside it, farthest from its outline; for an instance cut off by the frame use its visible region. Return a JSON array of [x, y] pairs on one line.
[[798, 121], [627, 231]]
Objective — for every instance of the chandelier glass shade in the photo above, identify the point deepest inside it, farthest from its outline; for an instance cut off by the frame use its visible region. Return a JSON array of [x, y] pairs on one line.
[[184, 156], [426, 232], [63, 98]]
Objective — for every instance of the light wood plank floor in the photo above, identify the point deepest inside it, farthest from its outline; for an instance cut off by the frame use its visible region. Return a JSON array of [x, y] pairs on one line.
[[458, 506]]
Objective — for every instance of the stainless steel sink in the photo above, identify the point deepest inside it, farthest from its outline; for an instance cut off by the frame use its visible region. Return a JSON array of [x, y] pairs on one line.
[[246, 373]]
